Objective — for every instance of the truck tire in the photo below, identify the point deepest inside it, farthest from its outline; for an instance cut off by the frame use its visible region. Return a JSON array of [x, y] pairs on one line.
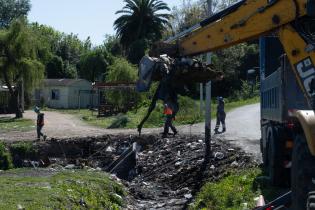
[[275, 168], [311, 201], [302, 173]]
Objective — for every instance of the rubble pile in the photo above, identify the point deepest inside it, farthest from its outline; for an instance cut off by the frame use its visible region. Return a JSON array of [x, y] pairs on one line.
[[171, 171], [94, 152], [167, 172]]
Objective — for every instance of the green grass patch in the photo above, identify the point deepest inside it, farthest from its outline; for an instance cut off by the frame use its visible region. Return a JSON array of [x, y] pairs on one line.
[[8, 124], [189, 113], [233, 191], [63, 190]]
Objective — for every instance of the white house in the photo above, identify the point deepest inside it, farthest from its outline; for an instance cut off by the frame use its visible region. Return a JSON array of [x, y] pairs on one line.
[[66, 94]]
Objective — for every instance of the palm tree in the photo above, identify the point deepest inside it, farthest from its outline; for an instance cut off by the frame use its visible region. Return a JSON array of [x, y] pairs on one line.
[[141, 19]]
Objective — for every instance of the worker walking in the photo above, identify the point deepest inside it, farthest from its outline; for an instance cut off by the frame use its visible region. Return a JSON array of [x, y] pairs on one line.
[[40, 123], [170, 110], [220, 115]]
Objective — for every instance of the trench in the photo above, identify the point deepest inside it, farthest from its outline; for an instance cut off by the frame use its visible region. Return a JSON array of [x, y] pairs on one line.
[[158, 173]]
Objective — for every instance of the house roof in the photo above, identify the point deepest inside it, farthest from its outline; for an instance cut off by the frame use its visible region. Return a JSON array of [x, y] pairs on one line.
[[61, 82]]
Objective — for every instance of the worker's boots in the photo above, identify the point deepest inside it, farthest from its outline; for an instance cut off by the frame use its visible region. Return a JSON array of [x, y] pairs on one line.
[[216, 131], [224, 128]]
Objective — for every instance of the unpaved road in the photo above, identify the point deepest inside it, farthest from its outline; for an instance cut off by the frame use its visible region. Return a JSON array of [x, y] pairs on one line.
[[243, 128]]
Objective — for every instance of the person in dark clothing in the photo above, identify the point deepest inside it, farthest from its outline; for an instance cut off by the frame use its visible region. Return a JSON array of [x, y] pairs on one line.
[[170, 110], [220, 115], [40, 124]]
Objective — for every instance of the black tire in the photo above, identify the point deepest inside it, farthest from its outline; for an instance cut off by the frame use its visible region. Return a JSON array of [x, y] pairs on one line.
[[302, 173], [276, 171], [311, 201]]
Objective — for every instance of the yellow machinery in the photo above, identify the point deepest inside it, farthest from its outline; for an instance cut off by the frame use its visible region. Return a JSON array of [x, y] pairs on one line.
[[287, 19]]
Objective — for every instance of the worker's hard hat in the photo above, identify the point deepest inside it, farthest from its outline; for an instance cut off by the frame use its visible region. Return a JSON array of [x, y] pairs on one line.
[[36, 109], [220, 98]]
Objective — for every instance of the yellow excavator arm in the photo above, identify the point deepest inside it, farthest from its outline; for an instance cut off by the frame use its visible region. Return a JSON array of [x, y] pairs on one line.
[[250, 19]]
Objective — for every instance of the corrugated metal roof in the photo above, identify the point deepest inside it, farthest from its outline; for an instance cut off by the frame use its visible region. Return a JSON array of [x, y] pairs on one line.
[[61, 82]]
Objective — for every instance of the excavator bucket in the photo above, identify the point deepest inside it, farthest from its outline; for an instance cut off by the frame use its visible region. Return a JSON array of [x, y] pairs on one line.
[[146, 70]]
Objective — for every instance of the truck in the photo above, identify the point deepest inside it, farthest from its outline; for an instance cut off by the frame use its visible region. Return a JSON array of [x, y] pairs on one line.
[[286, 30]]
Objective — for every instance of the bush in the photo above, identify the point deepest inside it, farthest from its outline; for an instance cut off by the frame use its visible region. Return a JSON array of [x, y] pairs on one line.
[[5, 158], [21, 151], [120, 122], [247, 91]]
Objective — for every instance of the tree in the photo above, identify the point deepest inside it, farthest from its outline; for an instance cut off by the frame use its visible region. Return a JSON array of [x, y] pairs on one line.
[[191, 13], [18, 61], [122, 71], [141, 20], [94, 63], [113, 45], [54, 68], [12, 9]]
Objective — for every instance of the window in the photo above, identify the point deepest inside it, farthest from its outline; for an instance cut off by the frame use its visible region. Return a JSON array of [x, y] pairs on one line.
[[55, 94]]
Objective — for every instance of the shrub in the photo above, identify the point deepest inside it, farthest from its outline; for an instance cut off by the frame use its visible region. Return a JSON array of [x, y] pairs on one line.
[[120, 122], [21, 151], [5, 158]]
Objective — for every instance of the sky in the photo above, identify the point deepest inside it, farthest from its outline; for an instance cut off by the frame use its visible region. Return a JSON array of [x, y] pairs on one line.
[[85, 18]]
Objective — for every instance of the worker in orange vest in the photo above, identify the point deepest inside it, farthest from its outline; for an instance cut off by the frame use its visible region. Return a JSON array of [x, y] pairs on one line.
[[169, 112]]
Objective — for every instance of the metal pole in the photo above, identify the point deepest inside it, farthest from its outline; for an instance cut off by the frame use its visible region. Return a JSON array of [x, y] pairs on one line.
[[208, 102], [201, 98], [208, 121]]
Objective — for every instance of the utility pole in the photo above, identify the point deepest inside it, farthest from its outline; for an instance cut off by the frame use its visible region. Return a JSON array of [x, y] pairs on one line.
[[208, 102]]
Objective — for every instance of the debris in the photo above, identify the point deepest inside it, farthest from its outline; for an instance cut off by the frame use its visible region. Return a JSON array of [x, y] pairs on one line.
[[110, 149], [70, 166], [188, 196], [260, 201], [82, 202], [178, 163], [218, 155], [20, 207], [212, 167], [234, 164]]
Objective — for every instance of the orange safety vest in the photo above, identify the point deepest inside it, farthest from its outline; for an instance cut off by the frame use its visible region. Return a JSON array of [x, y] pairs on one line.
[[168, 111]]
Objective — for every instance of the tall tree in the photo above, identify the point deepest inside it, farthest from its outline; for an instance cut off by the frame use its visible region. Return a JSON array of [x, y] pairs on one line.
[[94, 64], [12, 9], [141, 20], [18, 61]]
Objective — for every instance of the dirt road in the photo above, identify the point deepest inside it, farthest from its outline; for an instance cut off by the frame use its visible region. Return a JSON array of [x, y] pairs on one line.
[[243, 128]]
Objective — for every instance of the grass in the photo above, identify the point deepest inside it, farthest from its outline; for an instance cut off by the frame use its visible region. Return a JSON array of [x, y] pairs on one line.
[[63, 190], [189, 114], [235, 192], [8, 124]]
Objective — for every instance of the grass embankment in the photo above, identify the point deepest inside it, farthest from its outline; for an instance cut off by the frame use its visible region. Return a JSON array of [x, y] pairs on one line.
[[235, 192], [8, 124], [189, 114], [35, 189]]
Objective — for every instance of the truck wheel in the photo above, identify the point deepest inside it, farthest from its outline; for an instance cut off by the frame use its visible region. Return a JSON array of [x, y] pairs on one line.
[[311, 201], [302, 173], [275, 163]]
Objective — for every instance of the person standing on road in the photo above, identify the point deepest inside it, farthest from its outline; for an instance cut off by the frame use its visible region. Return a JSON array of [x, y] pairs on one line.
[[170, 110], [40, 123], [220, 115]]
